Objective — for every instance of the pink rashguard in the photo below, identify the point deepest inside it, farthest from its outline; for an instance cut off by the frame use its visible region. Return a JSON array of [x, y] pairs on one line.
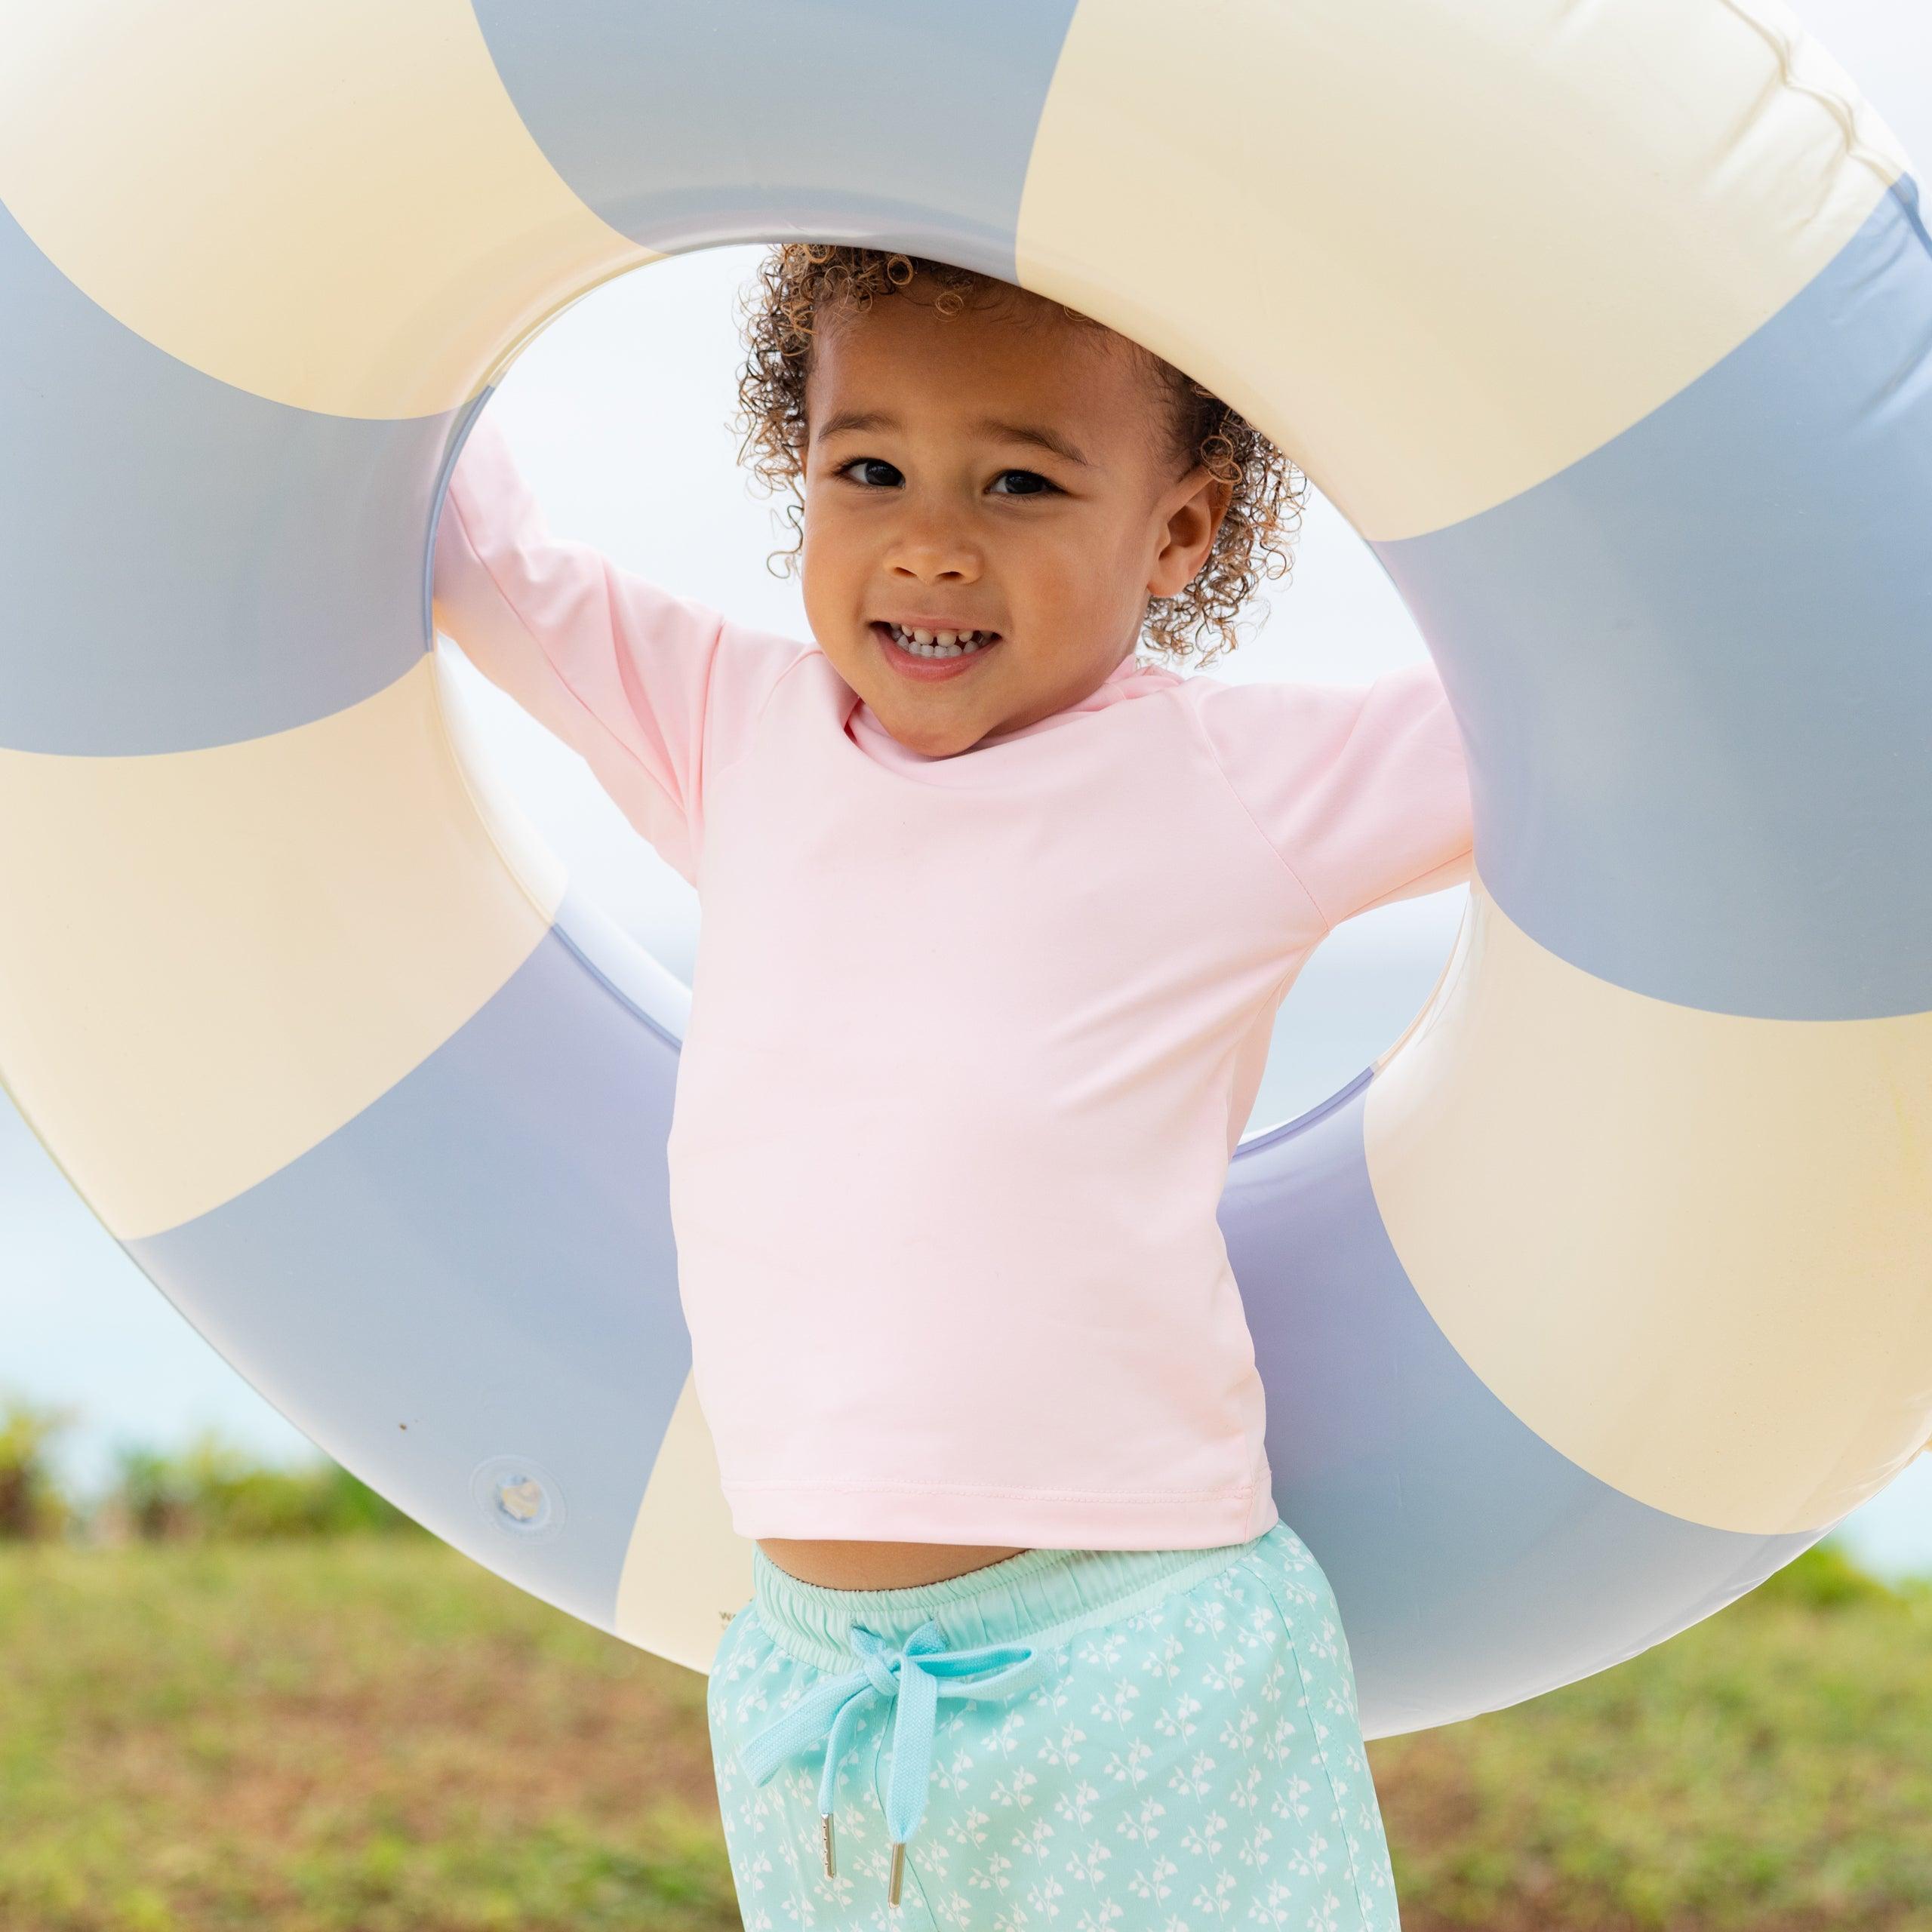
[[971, 1039]]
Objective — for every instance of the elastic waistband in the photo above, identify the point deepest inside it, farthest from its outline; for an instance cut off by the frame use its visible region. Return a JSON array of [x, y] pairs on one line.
[[1039, 1597]]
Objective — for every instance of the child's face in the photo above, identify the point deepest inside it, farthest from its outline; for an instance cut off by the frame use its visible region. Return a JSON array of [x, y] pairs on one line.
[[929, 505]]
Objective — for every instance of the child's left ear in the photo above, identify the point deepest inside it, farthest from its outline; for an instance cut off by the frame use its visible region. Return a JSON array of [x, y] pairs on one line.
[[1192, 529]]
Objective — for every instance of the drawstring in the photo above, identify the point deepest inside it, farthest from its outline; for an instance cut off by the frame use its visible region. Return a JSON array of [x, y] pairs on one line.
[[916, 1675]]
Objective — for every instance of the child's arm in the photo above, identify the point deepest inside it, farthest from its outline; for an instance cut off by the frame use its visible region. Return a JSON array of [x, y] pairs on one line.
[[648, 688], [1362, 790]]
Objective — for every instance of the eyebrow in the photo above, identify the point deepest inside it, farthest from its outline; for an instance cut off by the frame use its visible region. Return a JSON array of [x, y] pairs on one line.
[[1038, 435]]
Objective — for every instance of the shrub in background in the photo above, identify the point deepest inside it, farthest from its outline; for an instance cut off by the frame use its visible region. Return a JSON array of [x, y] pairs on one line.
[[1823, 1577], [32, 1505], [211, 1491]]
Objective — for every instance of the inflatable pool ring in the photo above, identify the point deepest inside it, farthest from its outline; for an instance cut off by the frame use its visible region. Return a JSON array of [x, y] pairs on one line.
[[1601, 1294]]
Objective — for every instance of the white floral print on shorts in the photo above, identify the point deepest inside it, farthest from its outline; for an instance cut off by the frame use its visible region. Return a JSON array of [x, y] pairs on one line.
[[1196, 1764]]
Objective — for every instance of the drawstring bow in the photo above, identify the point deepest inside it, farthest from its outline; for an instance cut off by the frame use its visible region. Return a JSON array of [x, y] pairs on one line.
[[917, 1675]]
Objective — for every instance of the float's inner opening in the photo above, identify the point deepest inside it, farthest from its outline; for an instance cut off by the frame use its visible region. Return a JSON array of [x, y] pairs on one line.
[[619, 411]]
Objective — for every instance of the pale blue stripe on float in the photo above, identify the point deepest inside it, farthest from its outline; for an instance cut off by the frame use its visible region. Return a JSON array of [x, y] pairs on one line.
[[1472, 1564], [686, 125], [1694, 670], [183, 564], [484, 1255]]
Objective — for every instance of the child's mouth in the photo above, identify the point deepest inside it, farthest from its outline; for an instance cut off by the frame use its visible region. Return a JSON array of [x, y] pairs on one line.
[[927, 655]]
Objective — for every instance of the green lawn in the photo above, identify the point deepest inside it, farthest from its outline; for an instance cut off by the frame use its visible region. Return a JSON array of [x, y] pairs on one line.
[[368, 1734]]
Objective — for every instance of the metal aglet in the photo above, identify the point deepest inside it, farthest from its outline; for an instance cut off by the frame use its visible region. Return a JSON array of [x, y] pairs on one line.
[[898, 1870], [825, 1842]]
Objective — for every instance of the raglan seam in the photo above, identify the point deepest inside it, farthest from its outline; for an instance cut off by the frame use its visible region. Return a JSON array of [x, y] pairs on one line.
[[699, 818], [806, 653], [1246, 812]]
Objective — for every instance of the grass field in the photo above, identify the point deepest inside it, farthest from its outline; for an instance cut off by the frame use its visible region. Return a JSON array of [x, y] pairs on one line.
[[369, 1733]]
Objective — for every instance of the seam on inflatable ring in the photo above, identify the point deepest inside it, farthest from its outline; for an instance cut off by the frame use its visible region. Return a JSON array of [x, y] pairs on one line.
[[1840, 110], [616, 992], [66, 1174], [478, 805], [1289, 1128]]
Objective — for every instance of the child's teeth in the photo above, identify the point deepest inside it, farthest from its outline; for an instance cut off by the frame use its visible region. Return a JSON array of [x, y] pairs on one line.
[[939, 644]]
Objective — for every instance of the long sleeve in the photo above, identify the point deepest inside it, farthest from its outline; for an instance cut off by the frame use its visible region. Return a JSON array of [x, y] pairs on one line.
[[649, 689], [1362, 790]]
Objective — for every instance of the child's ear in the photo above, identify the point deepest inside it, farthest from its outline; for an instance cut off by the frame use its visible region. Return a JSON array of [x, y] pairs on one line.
[[1193, 521]]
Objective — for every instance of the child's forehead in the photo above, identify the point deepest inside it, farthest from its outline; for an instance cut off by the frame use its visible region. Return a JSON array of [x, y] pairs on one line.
[[999, 336]]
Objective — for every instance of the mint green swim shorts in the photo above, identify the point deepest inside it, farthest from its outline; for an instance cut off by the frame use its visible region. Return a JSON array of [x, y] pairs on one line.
[[1136, 1740]]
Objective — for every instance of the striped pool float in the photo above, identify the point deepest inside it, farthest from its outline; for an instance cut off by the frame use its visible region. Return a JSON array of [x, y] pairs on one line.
[[1604, 1291]]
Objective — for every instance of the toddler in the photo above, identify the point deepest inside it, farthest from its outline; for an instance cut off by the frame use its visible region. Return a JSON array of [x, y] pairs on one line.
[[998, 911]]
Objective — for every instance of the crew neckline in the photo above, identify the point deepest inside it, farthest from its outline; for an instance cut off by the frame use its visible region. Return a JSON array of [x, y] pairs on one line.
[[1130, 678]]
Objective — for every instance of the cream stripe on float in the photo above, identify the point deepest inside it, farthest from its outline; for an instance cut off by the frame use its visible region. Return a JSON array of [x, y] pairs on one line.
[[333, 204], [686, 1571], [1688, 1249], [1430, 329], [215, 958]]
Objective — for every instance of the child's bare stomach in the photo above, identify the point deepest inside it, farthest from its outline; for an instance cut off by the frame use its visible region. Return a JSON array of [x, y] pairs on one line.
[[878, 1566]]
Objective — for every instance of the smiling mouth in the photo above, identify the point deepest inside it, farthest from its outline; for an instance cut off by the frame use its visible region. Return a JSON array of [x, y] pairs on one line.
[[937, 644]]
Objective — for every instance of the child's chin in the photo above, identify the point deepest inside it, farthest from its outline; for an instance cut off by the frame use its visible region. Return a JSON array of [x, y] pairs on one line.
[[930, 737]]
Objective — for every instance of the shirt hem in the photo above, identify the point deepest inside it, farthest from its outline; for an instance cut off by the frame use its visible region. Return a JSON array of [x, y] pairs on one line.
[[1029, 1518]]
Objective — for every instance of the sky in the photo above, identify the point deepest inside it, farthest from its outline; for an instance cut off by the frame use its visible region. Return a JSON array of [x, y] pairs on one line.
[[619, 413]]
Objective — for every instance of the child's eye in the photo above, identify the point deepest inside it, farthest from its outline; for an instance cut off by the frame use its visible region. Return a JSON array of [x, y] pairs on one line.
[[870, 462], [1032, 478]]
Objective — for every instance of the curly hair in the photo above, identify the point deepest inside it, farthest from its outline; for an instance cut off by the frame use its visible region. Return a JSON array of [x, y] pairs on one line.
[[799, 284]]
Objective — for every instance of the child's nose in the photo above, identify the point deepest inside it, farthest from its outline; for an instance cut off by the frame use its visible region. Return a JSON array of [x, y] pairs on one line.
[[932, 548]]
